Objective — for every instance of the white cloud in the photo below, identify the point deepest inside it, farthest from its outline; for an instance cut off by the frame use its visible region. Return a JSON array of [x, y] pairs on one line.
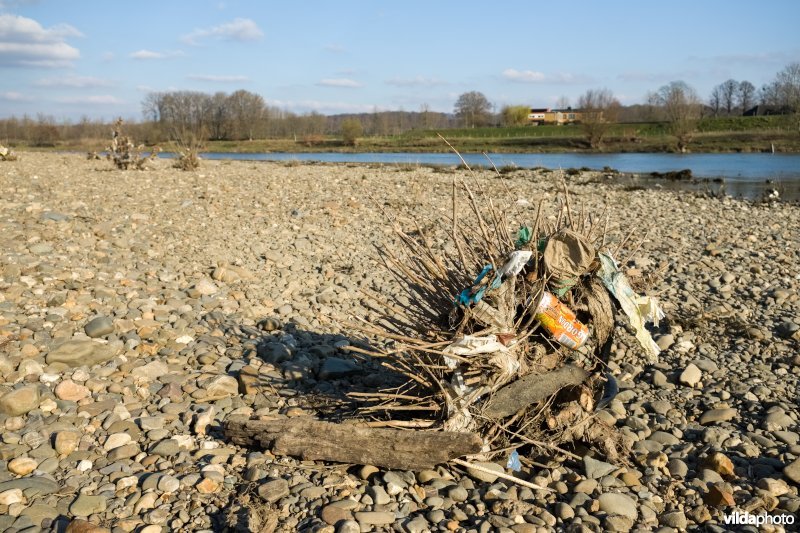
[[99, 99], [145, 54], [335, 48], [535, 76], [24, 42], [14, 96], [525, 76], [339, 82], [418, 81], [219, 79], [74, 81], [238, 29]]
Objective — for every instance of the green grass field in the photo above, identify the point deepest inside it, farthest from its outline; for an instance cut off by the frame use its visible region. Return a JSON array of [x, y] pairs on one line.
[[721, 134]]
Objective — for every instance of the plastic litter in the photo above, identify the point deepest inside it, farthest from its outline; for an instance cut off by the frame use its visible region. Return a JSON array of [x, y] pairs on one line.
[[639, 309], [472, 345], [513, 462], [560, 321], [567, 256], [474, 293], [516, 262], [524, 235]]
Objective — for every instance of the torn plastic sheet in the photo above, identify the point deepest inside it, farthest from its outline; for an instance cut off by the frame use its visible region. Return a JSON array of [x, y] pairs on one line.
[[515, 263], [459, 397], [488, 315], [639, 309], [472, 345], [507, 364], [523, 236], [513, 462]]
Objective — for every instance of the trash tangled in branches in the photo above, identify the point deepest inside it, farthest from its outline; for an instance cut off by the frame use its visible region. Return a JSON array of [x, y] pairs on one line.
[[125, 154]]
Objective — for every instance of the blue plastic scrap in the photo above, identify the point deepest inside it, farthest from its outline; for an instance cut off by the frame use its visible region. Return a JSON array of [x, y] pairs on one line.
[[513, 462], [474, 293]]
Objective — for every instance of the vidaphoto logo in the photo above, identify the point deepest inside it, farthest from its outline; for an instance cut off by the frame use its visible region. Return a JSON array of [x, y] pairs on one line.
[[747, 519]]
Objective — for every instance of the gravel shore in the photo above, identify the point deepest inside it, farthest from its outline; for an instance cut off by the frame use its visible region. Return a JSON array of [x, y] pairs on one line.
[[139, 309]]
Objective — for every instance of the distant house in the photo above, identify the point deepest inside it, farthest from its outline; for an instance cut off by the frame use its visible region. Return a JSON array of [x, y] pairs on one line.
[[558, 117]]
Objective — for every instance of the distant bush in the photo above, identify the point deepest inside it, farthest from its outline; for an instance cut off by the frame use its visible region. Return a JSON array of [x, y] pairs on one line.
[[351, 131]]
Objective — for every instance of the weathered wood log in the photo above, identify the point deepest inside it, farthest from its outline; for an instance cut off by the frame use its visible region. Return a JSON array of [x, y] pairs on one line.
[[314, 440], [531, 389]]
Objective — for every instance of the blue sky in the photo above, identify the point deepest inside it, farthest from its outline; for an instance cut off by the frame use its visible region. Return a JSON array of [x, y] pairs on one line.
[[101, 58]]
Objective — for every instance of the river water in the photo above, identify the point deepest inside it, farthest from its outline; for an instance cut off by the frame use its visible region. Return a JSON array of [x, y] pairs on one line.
[[751, 175]]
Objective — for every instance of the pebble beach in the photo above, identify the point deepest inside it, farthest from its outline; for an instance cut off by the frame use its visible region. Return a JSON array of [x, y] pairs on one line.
[[140, 309]]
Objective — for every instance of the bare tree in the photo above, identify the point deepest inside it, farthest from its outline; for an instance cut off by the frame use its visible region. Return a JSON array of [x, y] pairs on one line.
[[599, 110], [715, 100], [562, 102], [788, 84], [682, 108], [784, 91], [746, 95], [220, 120], [728, 90], [473, 109], [246, 110]]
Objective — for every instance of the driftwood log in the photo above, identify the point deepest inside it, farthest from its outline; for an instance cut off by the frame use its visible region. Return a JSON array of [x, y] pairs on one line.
[[314, 440], [531, 389]]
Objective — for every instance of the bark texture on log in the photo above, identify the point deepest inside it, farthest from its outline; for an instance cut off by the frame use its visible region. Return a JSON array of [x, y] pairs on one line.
[[314, 440], [531, 389]]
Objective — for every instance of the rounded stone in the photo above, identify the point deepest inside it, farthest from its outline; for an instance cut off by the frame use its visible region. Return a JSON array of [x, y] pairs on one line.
[[70, 391], [99, 327], [22, 466], [615, 503], [66, 442], [19, 401]]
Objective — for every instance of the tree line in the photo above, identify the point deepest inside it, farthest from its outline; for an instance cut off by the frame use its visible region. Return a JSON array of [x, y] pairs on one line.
[[676, 103], [243, 115]]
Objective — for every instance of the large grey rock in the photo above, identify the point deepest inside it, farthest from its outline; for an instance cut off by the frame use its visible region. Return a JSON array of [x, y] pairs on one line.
[[99, 327], [615, 503], [718, 415], [792, 471], [221, 387], [691, 375], [20, 401], [274, 490], [675, 519], [596, 469], [151, 371], [79, 353], [374, 518], [31, 486], [274, 352], [335, 368], [85, 505]]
